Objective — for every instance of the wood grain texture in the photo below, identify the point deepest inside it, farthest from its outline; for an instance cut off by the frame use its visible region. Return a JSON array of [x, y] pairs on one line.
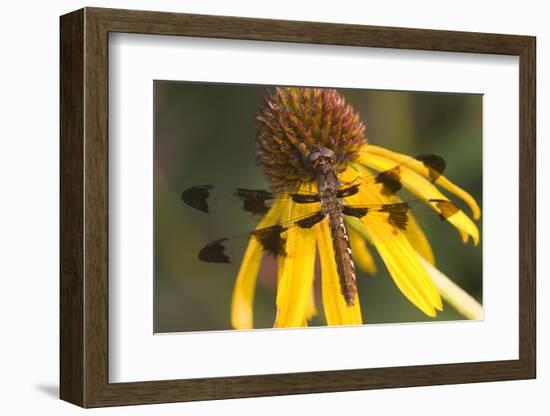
[[162, 23], [71, 213], [84, 207], [96, 218], [528, 208]]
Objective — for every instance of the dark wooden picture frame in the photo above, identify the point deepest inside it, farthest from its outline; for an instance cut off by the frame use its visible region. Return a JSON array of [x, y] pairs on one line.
[[84, 207]]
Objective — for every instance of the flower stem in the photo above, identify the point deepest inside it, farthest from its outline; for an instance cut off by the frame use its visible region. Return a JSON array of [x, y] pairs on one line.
[[453, 294]]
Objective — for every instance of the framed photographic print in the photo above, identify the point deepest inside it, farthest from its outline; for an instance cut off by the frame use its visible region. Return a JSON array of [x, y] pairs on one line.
[[256, 207]]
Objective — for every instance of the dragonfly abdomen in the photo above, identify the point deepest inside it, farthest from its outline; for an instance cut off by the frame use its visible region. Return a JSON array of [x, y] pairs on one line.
[[342, 253], [328, 184]]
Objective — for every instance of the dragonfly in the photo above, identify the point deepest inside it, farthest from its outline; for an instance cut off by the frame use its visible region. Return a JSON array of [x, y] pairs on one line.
[[330, 195]]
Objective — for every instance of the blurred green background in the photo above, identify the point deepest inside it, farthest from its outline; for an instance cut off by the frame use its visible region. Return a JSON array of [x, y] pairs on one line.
[[204, 134]]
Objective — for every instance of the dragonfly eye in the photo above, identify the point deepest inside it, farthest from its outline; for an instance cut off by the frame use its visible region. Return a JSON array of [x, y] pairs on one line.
[[327, 153], [321, 156]]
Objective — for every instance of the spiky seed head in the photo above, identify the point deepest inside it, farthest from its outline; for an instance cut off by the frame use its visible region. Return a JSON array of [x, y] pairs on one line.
[[294, 121]]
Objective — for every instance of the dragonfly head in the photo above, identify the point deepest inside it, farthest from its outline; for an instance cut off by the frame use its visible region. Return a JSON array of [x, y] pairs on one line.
[[322, 160]]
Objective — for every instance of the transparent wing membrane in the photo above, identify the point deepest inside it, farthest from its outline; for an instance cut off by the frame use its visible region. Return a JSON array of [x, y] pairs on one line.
[[255, 201], [401, 216], [388, 182], [272, 240]]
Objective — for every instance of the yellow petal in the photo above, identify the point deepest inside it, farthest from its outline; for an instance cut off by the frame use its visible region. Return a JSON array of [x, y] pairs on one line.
[[311, 310], [424, 189], [243, 293], [360, 252], [418, 240], [407, 272], [337, 312], [419, 167], [363, 258], [296, 278], [398, 255], [414, 233], [286, 215]]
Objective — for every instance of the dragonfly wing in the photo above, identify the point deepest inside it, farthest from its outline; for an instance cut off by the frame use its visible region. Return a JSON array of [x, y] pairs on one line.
[[389, 183], [271, 239], [254, 201], [399, 214]]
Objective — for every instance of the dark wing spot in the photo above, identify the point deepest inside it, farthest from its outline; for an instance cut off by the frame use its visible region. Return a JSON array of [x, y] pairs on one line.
[[214, 252], [357, 212], [398, 214], [435, 164], [254, 200], [305, 198], [390, 180], [197, 197], [446, 208], [349, 191], [311, 220], [271, 240]]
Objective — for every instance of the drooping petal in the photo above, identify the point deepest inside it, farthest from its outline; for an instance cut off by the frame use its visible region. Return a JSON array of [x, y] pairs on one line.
[[418, 240], [243, 293], [296, 277], [337, 312], [286, 215], [245, 285], [361, 253], [311, 310], [424, 189], [454, 295], [400, 258], [414, 233], [419, 167], [363, 258]]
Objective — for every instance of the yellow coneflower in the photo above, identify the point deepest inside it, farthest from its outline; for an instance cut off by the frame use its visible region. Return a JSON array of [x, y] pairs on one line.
[[322, 118]]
